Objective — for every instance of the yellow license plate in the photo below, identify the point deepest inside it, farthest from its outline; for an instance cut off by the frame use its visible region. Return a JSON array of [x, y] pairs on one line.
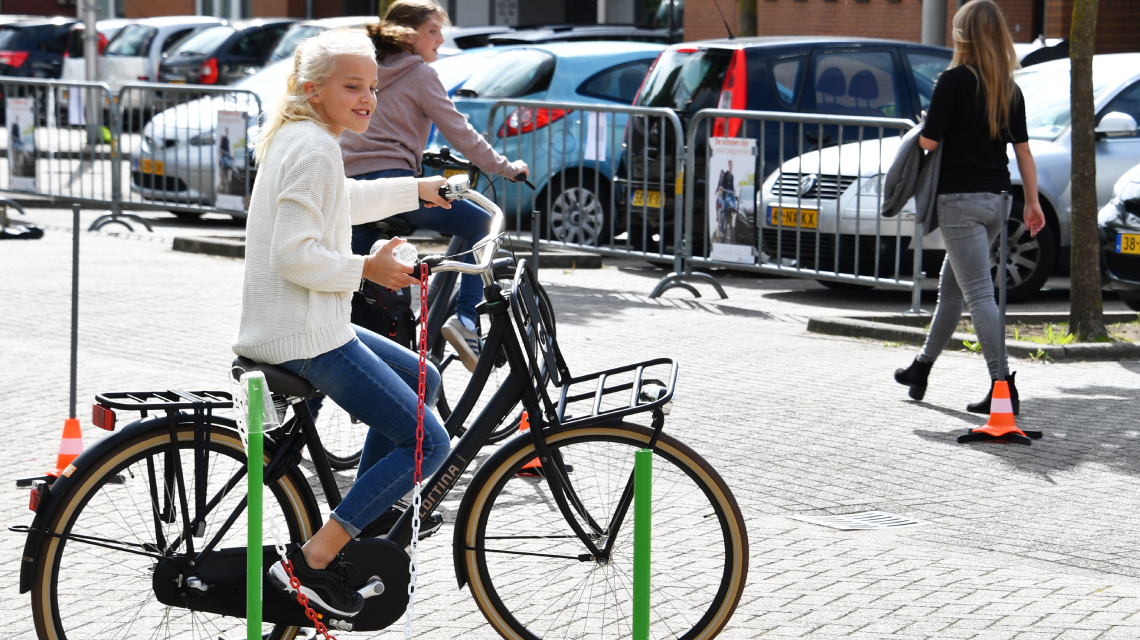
[[1128, 243], [447, 173], [790, 216], [654, 199], [177, 82], [152, 166]]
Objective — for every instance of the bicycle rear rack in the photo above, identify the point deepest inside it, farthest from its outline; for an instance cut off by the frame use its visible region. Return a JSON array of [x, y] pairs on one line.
[[644, 394], [167, 401]]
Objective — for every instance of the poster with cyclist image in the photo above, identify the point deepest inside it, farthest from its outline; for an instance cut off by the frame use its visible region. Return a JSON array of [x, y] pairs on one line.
[[21, 126], [732, 199], [230, 157]]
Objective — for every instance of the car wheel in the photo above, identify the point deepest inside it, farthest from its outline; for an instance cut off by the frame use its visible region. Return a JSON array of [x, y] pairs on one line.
[[578, 210], [1029, 261]]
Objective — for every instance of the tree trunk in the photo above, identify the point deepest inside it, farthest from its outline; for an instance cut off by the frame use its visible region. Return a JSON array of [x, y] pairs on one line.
[[746, 18], [1086, 311]]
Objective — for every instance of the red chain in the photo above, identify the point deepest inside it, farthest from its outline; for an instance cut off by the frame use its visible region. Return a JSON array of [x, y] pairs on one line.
[[423, 374], [304, 602]]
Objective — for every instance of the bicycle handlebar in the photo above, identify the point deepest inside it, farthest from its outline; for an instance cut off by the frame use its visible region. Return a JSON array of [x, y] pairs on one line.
[[459, 187]]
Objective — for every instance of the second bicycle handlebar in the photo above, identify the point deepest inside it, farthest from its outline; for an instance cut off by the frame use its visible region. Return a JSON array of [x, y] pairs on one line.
[[459, 187]]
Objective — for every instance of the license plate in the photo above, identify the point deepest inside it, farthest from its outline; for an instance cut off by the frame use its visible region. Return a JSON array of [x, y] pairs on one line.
[[447, 173], [1128, 243], [654, 199], [176, 81], [151, 166], [789, 216]]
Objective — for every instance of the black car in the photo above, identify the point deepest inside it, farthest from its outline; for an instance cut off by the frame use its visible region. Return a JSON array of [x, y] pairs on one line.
[[578, 33], [34, 48], [223, 54], [1119, 223], [789, 74]]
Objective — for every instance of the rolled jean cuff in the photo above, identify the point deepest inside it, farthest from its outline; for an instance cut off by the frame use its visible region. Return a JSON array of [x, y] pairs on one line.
[[352, 531]]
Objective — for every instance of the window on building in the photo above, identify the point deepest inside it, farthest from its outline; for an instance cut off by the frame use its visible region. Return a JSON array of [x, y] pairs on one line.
[[617, 84], [787, 74], [856, 84], [925, 70]]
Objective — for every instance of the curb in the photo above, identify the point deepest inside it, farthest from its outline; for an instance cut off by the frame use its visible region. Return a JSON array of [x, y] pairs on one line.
[[893, 329], [234, 247]]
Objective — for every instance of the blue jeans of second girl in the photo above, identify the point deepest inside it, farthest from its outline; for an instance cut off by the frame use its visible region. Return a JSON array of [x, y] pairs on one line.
[[464, 219], [375, 380]]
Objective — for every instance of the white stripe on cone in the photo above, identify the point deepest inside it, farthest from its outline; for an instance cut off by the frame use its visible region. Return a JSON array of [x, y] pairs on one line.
[[1001, 405]]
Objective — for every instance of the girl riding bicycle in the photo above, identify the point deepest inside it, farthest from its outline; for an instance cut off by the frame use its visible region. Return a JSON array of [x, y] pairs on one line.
[[299, 277], [411, 98]]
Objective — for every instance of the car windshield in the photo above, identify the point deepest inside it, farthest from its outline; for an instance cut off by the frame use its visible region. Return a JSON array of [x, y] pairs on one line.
[[1046, 94], [292, 38], [133, 40], [511, 74], [204, 42], [686, 80]]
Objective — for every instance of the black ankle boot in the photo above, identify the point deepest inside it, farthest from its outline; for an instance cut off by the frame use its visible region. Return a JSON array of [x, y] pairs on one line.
[[984, 405], [915, 377]]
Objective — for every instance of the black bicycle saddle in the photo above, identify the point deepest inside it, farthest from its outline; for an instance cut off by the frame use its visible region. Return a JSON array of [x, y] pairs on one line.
[[280, 380]]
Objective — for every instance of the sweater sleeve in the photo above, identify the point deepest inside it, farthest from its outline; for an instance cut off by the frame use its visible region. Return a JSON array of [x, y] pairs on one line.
[[371, 200], [455, 127], [306, 194]]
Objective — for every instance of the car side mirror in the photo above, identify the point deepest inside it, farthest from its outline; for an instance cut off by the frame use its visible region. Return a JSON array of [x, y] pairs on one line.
[[1116, 125]]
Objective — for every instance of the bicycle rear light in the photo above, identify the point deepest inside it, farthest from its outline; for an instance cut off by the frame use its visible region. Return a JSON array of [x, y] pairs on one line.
[[40, 491], [103, 417]]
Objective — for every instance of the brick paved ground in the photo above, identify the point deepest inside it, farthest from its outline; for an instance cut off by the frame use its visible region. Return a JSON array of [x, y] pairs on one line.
[[1024, 542]]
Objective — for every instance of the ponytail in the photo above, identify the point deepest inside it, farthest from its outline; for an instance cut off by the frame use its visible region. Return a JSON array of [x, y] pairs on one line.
[[401, 20]]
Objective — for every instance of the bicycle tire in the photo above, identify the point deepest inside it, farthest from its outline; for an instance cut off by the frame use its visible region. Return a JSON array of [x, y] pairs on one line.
[[97, 503], [510, 516]]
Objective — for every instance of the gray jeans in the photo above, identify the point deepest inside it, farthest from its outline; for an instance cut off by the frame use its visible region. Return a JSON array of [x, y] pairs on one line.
[[969, 223]]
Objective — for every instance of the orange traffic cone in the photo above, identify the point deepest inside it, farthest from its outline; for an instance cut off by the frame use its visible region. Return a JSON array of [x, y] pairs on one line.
[[69, 449], [1001, 424], [534, 467]]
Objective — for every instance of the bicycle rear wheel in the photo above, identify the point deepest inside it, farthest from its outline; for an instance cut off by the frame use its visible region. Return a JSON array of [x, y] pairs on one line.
[[524, 563], [87, 592]]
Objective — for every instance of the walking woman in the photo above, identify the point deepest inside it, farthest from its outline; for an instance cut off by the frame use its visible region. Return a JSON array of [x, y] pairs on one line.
[[299, 277], [976, 110], [411, 98]]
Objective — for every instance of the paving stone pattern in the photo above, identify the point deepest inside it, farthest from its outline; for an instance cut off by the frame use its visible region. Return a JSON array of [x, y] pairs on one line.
[[1025, 542]]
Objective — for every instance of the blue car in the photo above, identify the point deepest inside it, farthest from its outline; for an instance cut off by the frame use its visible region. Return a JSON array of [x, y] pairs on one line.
[[572, 177]]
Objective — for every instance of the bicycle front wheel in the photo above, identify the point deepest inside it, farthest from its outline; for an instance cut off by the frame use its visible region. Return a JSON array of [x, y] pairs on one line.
[[133, 497], [525, 566]]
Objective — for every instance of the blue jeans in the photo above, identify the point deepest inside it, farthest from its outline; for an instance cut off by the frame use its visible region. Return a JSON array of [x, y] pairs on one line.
[[464, 219], [375, 380]]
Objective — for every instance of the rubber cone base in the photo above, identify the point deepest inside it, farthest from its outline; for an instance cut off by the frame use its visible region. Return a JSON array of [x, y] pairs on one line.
[[979, 436]]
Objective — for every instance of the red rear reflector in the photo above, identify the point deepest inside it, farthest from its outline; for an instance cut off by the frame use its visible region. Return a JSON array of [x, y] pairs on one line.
[[103, 417], [39, 488]]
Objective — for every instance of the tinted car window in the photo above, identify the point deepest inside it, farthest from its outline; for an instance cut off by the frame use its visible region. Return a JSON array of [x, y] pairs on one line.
[[249, 46], [293, 37], [204, 42], [54, 39], [856, 84], [618, 84], [511, 74], [75, 43], [786, 76], [686, 81], [13, 39], [133, 40], [1127, 102], [174, 39], [925, 70]]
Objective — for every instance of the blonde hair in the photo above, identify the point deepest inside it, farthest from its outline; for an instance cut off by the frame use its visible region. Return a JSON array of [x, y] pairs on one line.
[[982, 42], [314, 61], [401, 20]]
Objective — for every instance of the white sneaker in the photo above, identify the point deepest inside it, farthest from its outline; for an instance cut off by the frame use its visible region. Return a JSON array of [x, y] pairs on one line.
[[465, 342]]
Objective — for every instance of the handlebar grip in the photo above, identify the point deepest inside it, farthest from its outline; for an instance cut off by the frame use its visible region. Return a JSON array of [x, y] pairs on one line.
[[521, 177]]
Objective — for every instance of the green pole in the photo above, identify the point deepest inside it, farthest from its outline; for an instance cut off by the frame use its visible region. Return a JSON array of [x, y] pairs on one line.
[[256, 404], [642, 514]]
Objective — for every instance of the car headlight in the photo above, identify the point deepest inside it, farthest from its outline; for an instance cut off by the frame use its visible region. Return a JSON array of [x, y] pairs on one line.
[[204, 139], [872, 186]]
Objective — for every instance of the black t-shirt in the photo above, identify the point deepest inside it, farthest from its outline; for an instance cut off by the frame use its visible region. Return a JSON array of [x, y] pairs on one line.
[[972, 161]]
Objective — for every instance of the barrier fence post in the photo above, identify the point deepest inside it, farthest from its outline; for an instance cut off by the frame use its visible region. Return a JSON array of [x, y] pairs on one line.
[[256, 404], [642, 516]]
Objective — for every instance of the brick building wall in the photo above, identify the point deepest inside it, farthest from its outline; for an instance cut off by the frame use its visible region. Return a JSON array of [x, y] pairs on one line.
[[1117, 23], [154, 8]]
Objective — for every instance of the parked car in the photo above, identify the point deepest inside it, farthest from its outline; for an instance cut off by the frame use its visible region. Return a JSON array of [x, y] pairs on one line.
[[299, 31], [1119, 223], [581, 32], [1116, 98], [603, 73], [34, 48], [223, 54], [174, 161], [457, 39], [74, 64], [805, 74]]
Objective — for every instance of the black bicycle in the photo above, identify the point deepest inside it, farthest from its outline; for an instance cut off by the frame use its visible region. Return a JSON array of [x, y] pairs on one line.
[[145, 534]]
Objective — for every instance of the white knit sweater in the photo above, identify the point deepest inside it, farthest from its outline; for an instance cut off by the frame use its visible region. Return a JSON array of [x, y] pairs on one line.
[[299, 268]]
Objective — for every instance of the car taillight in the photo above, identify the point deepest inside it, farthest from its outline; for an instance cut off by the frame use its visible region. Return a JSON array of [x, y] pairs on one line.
[[208, 74], [733, 95], [637, 96], [13, 58], [103, 417], [102, 43], [525, 119]]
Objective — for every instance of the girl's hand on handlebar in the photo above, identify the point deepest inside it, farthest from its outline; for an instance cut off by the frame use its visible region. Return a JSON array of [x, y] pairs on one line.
[[429, 191], [518, 171], [384, 270]]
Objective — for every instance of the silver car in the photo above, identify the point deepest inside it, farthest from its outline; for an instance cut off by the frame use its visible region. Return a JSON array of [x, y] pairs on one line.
[[850, 192]]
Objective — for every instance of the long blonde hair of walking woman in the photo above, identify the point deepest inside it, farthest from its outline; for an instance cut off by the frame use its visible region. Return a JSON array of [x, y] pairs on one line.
[[981, 41]]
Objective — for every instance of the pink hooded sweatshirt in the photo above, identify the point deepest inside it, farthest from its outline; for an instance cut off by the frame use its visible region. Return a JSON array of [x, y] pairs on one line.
[[409, 100]]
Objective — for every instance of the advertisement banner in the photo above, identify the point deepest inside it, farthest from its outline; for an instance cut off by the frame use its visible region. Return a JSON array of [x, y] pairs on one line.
[[21, 126], [230, 156], [732, 199]]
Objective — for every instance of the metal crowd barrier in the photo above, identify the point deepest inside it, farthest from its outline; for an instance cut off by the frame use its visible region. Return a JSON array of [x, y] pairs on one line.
[[587, 193], [811, 207]]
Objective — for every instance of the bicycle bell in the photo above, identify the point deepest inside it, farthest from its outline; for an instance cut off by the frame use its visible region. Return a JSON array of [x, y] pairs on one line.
[[456, 185]]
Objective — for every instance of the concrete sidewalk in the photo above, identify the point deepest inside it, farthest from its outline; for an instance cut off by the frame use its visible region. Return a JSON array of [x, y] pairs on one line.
[[1024, 542]]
